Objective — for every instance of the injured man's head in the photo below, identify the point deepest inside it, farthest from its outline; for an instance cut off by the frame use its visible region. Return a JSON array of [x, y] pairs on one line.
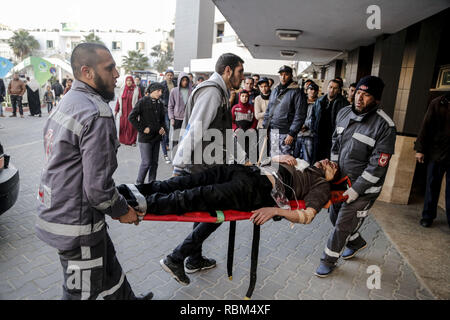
[[330, 168]]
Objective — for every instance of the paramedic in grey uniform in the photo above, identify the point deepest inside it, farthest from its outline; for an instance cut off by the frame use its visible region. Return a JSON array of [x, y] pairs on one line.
[[363, 143], [76, 189]]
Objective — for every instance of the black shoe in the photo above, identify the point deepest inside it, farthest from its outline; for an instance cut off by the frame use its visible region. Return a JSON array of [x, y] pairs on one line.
[[175, 269], [426, 223], [203, 264], [13, 115], [147, 296]]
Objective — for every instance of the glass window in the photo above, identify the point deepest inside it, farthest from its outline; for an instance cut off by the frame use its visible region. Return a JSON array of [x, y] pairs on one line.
[[116, 45]]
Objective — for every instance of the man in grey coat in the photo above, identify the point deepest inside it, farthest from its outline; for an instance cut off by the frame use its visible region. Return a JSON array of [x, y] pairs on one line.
[[76, 189]]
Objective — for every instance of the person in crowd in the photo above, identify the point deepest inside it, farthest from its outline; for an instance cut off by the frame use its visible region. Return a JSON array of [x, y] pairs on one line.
[[271, 82], [64, 81], [58, 90], [351, 93], [285, 114], [256, 78], [169, 84], [433, 145], [362, 145], [16, 89], [207, 109], [242, 114], [262, 101], [49, 99], [191, 78], [128, 97], [34, 100], [68, 86], [138, 83], [324, 118], [177, 104], [242, 188], [2, 96], [305, 140], [77, 189], [306, 84], [147, 117]]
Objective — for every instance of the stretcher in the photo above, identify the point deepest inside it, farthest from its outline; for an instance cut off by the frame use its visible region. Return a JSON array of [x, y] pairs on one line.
[[338, 188]]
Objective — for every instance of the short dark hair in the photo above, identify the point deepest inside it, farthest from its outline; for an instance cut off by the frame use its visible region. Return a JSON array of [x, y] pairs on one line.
[[352, 85], [256, 75], [336, 81], [137, 77], [249, 78], [85, 54], [201, 78], [227, 59]]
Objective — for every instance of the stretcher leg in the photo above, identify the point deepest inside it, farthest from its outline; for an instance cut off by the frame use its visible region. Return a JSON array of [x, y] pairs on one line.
[[230, 257], [254, 261]]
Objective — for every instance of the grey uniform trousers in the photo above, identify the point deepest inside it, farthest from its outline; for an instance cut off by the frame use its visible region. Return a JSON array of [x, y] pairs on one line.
[[346, 219], [92, 272]]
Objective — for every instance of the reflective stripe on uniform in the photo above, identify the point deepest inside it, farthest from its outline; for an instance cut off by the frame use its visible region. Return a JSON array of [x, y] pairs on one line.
[[67, 122], [364, 139], [109, 203], [361, 214], [369, 177], [142, 203], [85, 264], [69, 230], [334, 157], [373, 190], [113, 289], [331, 253], [353, 237], [339, 130], [386, 117]]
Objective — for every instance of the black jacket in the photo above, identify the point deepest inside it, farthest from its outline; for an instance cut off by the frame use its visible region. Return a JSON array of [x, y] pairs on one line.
[[2, 91], [58, 89], [148, 112], [434, 136], [166, 93]]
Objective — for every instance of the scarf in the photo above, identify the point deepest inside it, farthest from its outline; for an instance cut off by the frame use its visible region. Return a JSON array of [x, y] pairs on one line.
[[128, 90], [266, 97]]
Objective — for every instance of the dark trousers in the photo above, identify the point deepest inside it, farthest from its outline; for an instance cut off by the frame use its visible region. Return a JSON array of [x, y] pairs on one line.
[[219, 188], [435, 173], [149, 161], [165, 138], [176, 134], [49, 107], [16, 101], [346, 219], [92, 272]]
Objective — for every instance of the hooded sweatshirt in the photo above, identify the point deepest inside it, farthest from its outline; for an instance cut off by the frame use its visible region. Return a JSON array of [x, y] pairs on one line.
[[243, 116], [178, 98]]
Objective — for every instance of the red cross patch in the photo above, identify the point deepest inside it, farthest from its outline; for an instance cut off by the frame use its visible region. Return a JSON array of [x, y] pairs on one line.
[[384, 159]]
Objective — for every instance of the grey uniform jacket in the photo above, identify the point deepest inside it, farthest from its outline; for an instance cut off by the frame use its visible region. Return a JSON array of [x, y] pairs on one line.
[[77, 190], [362, 146]]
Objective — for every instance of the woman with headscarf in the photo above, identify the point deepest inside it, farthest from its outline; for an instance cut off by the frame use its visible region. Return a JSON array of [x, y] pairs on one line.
[[34, 100], [128, 97]]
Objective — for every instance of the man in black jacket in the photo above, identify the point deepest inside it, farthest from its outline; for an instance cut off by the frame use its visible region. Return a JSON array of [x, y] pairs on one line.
[[2, 96], [285, 113], [168, 84], [433, 142], [58, 89], [148, 118]]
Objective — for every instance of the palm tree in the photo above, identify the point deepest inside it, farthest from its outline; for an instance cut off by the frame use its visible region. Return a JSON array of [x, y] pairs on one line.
[[92, 38], [23, 43], [135, 61], [164, 59]]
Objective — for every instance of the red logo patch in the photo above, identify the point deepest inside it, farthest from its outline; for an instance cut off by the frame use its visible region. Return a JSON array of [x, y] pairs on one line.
[[363, 87], [384, 159]]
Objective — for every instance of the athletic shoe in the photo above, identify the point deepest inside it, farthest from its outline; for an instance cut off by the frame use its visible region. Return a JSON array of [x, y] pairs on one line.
[[175, 269], [350, 253], [167, 159], [147, 296], [203, 264], [324, 270], [426, 223]]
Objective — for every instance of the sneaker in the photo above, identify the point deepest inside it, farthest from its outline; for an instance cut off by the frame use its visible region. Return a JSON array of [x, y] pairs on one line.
[[147, 296], [426, 223], [203, 264], [324, 270], [175, 269], [167, 159], [350, 253], [13, 115]]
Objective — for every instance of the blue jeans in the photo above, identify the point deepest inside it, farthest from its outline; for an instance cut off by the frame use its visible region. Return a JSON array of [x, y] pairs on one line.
[[435, 173], [149, 161], [304, 149], [277, 145], [165, 138]]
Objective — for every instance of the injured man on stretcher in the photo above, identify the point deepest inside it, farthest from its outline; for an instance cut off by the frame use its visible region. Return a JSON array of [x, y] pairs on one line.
[[264, 190]]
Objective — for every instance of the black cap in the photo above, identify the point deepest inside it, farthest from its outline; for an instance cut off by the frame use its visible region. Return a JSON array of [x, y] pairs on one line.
[[169, 71], [285, 69], [372, 85], [313, 86], [262, 80], [154, 86]]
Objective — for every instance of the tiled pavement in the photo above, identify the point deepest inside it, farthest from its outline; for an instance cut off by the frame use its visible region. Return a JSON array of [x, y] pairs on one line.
[[29, 269]]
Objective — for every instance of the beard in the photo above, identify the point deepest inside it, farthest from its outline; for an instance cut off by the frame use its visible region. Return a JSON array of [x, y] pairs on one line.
[[102, 88]]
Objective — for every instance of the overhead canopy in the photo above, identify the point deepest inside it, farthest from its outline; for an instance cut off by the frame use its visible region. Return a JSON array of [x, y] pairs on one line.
[[5, 66], [329, 26], [41, 68]]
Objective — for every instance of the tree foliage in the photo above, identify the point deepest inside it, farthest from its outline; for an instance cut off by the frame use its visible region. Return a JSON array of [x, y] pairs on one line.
[[135, 61], [92, 38], [164, 58], [23, 44]]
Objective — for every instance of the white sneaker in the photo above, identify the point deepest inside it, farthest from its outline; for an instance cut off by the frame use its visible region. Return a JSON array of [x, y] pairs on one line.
[[167, 159]]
